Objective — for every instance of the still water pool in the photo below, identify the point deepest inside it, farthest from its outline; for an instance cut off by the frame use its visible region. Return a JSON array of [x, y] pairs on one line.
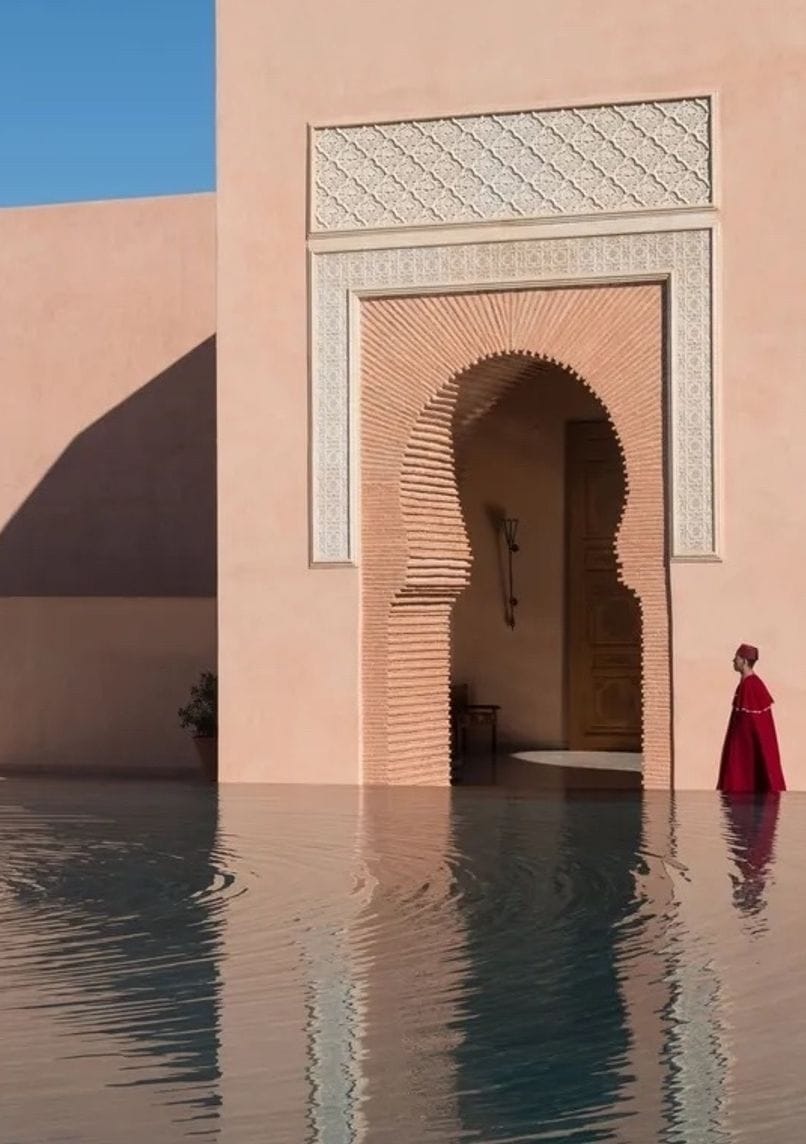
[[329, 965]]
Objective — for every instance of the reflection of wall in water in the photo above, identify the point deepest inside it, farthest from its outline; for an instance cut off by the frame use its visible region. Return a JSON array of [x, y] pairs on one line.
[[741, 959], [118, 894], [410, 951], [646, 981], [698, 1050], [293, 970]]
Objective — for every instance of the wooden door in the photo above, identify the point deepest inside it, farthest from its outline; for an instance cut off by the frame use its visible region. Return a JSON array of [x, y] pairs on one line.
[[603, 617]]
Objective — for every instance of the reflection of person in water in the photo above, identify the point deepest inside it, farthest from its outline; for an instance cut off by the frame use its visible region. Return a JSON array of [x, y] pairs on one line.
[[124, 888], [751, 824], [750, 756]]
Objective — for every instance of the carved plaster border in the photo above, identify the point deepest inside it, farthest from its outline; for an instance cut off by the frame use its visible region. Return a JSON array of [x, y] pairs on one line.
[[683, 258], [570, 161]]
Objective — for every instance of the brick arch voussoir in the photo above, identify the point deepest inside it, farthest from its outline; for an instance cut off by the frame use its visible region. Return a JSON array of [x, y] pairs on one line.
[[439, 555], [410, 495]]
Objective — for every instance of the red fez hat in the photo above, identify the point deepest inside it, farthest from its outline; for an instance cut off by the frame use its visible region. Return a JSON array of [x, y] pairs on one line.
[[747, 651]]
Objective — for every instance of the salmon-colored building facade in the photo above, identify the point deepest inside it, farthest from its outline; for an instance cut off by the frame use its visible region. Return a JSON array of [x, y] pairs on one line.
[[464, 266]]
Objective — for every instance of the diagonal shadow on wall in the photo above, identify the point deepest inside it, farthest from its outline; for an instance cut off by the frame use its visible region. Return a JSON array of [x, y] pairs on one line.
[[129, 508]]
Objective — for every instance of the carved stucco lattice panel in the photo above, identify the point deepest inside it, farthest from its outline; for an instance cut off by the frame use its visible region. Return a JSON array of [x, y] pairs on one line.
[[533, 164], [682, 257]]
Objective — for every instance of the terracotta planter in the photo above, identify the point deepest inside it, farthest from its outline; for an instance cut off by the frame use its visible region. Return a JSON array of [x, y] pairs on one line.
[[207, 748]]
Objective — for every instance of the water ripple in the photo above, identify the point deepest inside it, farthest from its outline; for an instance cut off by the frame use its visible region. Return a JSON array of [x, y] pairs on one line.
[[333, 966]]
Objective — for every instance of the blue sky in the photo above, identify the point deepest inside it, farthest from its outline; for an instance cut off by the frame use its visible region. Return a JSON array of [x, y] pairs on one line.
[[105, 99]]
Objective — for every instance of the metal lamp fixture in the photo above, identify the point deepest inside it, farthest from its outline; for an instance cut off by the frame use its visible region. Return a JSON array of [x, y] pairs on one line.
[[510, 529]]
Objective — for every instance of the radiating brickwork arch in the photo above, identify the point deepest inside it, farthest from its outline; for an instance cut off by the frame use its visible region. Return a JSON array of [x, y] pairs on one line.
[[429, 366]]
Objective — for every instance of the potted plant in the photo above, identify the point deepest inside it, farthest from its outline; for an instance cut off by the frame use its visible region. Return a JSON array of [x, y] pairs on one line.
[[200, 716]]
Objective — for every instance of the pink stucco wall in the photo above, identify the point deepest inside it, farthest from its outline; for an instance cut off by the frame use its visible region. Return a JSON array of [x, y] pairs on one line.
[[107, 493], [284, 66]]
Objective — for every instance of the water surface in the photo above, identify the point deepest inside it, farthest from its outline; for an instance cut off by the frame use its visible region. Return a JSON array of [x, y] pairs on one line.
[[331, 965]]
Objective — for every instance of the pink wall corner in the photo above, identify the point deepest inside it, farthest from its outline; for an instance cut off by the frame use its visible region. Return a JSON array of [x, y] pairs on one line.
[[287, 715]]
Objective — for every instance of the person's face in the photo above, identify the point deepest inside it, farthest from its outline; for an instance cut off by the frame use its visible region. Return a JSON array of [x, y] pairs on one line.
[[738, 663]]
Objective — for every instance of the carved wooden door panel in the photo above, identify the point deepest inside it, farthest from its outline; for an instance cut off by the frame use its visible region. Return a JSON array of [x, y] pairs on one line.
[[603, 617]]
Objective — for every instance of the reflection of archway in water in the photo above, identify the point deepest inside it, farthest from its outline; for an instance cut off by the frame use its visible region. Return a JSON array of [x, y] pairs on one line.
[[533, 442], [547, 896], [117, 886], [415, 351]]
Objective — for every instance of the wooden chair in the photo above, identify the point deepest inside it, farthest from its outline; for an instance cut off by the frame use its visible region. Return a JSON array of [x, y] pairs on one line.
[[466, 715]]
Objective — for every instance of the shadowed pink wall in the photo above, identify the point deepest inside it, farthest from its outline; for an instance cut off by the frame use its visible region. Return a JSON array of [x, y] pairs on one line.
[[107, 493], [289, 643]]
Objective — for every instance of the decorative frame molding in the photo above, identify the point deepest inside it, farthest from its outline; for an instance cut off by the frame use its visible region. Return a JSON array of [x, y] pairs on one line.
[[566, 162], [681, 257]]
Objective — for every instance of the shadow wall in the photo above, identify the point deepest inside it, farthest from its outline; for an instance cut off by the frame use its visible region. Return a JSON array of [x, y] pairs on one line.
[[107, 483]]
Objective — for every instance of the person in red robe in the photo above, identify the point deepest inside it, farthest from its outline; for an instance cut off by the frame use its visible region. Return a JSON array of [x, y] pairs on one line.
[[750, 757]]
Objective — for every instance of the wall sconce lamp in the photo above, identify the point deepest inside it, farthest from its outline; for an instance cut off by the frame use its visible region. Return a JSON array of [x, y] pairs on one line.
[[510, 529]]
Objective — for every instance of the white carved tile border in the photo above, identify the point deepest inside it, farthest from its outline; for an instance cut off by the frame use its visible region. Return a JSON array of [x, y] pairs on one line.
[[529, 165], [682, 257]]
